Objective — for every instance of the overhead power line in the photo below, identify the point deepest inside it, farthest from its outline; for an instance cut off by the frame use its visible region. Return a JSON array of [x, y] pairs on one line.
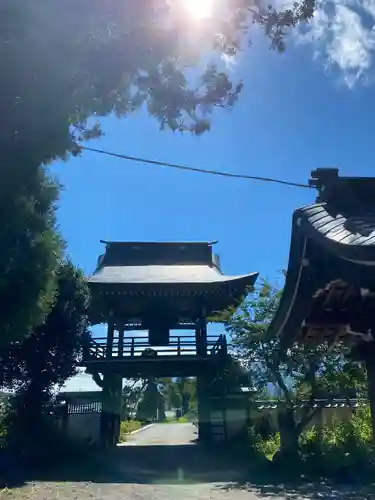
[[193, 169]]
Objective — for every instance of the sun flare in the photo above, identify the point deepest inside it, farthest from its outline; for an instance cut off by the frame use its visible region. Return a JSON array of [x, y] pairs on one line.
[[198, 9]]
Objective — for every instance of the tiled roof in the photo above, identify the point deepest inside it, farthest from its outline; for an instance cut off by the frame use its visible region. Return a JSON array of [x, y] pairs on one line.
[[164, 274]]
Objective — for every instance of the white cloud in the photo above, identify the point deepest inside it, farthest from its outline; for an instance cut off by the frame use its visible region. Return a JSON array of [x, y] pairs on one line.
[[342, 34]]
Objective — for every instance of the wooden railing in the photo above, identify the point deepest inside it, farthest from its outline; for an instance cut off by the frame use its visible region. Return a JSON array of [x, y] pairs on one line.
[[181, 345]]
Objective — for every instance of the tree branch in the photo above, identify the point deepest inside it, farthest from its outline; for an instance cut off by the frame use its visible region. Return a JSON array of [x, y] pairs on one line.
[[97, 379], [306, 419], [274, 369]]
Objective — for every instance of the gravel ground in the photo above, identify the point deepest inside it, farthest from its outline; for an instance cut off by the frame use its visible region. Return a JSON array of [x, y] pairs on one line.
[[164, 463]]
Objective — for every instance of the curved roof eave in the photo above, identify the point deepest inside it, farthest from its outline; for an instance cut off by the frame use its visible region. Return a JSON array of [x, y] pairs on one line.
[[340, 237], [245, 279], [349, 236], [166, 275], [292, 307]]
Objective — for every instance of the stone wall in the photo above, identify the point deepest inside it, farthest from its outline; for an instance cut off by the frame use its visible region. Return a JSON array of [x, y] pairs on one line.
[[231, 415], [330, 412]]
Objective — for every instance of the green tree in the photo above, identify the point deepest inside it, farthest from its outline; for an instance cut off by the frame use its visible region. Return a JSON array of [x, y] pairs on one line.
[[300, 372], [179, 392], [132, 392], [187, 389], [30, 250], [171, 393], [50, 355], [68, 64], [232, 376], [151, 404], [112, 58]]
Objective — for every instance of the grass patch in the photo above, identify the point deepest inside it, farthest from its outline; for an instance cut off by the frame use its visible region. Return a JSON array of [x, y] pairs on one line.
[[174, 420], [128, 426]]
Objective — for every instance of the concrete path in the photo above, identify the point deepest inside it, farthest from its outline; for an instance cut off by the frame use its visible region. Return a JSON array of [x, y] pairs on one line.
[[164, 434], [163, 463]]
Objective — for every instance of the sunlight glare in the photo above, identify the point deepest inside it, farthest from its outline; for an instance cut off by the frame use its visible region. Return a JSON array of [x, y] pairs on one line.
[[198, 9]]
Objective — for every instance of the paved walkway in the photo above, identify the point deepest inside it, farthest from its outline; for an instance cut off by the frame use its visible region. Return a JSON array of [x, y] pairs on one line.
[[164, 463], [164, 434]]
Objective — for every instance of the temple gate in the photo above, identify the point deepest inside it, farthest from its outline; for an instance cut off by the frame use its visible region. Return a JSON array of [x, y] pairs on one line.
[[155, 288]]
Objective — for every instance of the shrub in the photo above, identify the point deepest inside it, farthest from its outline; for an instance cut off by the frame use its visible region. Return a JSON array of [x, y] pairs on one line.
[[341, 451], [128, 426], [191, 415], [266, 447], [177, 420]]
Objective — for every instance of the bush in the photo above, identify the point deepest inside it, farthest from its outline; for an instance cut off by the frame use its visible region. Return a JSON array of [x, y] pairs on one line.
[[176, 420], [191, 415], [128, 426], [342, 451], [266, 447]]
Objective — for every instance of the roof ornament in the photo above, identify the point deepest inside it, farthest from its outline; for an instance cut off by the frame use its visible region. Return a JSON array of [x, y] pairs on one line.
[[324, 180], [346, 193]]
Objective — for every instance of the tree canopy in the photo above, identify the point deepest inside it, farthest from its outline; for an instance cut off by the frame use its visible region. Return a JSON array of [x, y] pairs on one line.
[[151, 405], [300, 372], [67, 65], [50, 354], [67, 62], [30, 250]]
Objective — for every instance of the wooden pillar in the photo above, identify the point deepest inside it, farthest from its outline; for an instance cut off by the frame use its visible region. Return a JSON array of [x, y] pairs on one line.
[[121, 329], [201, 336], [111, 409], [198, 337], [110, 335], [204, 335], [204, 408]]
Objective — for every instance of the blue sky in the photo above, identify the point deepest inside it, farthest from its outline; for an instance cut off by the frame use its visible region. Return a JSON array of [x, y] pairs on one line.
[[305, 109]]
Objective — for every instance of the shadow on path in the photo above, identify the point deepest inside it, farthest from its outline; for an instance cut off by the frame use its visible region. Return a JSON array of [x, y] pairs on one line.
[[267, 483], [154, 464], [193, 464]]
